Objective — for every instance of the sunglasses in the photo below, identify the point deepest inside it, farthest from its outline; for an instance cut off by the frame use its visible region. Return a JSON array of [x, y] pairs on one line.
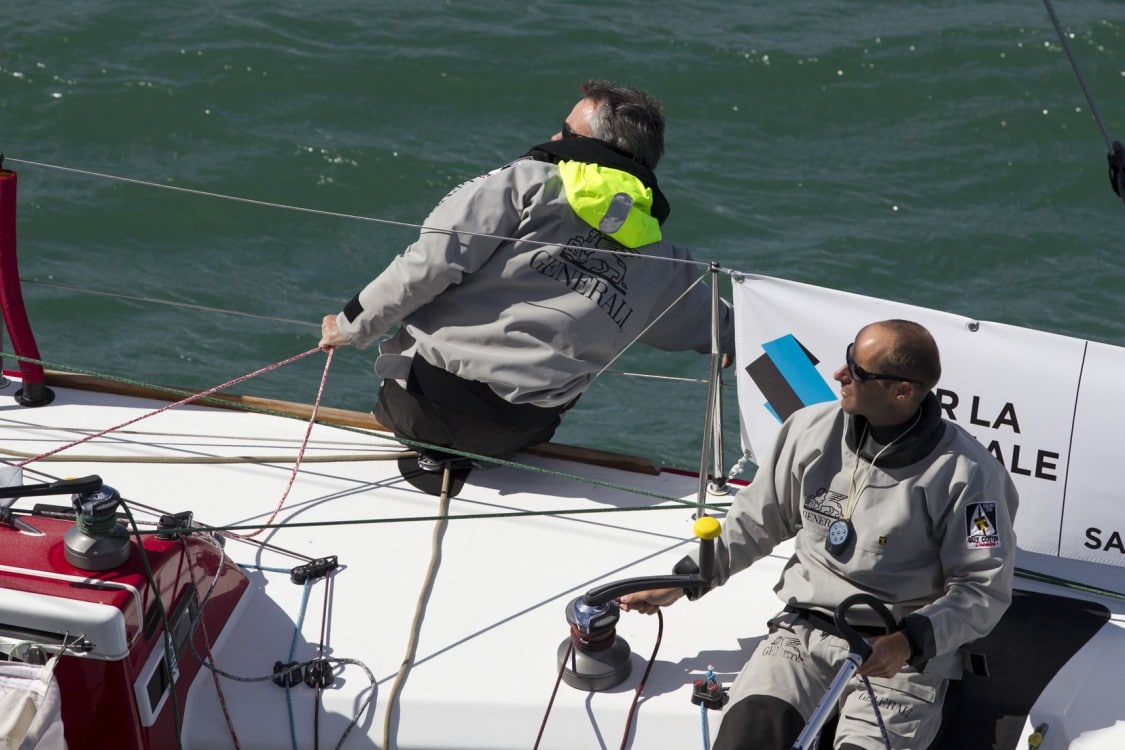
[[859, 374], [567, 131]]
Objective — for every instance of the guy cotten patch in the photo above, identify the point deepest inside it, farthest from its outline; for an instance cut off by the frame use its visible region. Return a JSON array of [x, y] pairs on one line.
[[980, 526]]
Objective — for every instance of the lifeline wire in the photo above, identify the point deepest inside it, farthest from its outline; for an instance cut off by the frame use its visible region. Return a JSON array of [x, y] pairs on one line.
[[171, 303], [438, 531], [500, 462], [333, 214], [188, 400]]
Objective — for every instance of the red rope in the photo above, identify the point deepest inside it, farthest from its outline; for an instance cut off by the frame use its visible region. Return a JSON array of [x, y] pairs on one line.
[[187, 400], [636, 695], [210, 656], [300, 453], [644, 678], [551, 702]]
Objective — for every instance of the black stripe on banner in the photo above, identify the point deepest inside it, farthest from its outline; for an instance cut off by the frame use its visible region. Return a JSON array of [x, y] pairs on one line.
[[779, 394]]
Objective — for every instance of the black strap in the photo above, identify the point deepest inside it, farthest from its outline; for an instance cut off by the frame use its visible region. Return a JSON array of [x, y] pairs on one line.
[[824, 622], [1116, 161]]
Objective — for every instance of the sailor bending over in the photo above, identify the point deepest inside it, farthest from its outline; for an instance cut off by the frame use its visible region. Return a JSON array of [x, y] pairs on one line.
[[527, 281]]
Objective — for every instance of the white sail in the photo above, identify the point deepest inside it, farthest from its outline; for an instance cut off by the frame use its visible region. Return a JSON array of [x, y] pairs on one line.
[[1048, 406]]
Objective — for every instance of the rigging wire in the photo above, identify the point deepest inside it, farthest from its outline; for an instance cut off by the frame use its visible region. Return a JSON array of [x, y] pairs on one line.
[[655, 320], [202, 396], [442, 519], [1116, 156], [331, 214], [1078, 73], [170, 303], [277, 319]]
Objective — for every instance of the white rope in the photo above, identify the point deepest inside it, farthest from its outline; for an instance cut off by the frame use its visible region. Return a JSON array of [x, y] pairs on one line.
[[419, 612]]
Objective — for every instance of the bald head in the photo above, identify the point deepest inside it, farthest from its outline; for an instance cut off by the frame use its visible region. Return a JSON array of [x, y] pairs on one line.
[[911, 352]]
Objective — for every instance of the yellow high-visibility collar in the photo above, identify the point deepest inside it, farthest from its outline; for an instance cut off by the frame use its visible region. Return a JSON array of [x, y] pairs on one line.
[[612, 201]]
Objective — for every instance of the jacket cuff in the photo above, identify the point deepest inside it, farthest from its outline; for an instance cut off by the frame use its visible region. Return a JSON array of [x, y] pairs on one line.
[[353, 309], [920, 632]]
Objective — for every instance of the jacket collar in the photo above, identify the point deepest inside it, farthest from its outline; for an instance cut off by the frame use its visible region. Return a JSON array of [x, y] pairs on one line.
[[918, 443], [595, 151]]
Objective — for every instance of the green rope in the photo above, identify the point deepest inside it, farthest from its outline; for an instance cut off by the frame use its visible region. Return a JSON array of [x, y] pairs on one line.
[[158, 600], [1067, 584], [367, 432], [465, 517], [98, 524]]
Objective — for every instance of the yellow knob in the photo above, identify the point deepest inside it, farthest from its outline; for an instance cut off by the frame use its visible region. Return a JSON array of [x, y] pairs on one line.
[[707, 527]]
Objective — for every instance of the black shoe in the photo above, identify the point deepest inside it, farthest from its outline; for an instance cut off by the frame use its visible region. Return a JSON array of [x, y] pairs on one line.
[[433, 462], [431, 482]]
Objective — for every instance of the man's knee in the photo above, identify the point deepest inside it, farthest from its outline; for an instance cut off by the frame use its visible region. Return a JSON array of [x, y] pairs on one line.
[[759, 721]]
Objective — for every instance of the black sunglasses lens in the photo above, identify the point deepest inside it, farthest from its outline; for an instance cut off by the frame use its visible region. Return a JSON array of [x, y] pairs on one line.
[[856, 372]]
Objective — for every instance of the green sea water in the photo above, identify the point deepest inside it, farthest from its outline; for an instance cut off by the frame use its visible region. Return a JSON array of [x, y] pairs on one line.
[[938, 153]]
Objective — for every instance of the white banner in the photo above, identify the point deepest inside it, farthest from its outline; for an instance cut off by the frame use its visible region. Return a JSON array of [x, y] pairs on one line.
[[1049, 407]]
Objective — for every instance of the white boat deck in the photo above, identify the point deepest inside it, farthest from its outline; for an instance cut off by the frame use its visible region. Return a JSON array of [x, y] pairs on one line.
[[485, 663]]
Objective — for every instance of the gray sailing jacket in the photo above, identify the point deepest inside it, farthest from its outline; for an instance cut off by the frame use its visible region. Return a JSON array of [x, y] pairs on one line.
[[534, 317], [933, 532]]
